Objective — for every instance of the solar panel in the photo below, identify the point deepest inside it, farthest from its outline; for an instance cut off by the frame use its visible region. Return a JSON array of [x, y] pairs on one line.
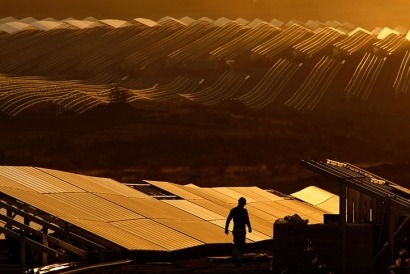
[[159, 234], [134, 220], [313, 195]]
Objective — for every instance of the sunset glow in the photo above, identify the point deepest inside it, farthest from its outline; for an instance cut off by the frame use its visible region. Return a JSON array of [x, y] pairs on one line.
[[367, 13]]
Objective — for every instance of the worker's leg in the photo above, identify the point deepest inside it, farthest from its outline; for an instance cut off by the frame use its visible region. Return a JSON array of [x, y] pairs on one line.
[[239, 245]]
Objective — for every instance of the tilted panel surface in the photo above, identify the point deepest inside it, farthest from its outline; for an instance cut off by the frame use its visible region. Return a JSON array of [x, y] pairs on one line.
[[230, 192], [276, 208], [22, 176], [221, 209], [195, 210], [97, 206], [163, 236], [201, 230], [80, 181], [116, 235], [254, 209], [117, 187], [9, 183], [150, 208], [213, 195], [301, 208], [313, 195], [175, 189], [49, 204], [331, 205], [50, 180], [255, 193]]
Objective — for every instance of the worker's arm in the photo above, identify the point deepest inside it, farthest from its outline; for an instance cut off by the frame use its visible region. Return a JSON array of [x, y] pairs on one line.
[[228, 220], [248, 223]]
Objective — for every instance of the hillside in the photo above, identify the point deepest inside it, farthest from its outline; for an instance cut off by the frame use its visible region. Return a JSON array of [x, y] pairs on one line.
[[205, 146]]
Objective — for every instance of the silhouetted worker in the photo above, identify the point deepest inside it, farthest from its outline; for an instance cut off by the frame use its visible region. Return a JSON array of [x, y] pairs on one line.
[[240, 220]]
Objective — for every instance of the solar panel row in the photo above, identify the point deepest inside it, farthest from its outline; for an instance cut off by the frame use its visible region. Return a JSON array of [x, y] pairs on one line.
[[91, 48], [135, 221]]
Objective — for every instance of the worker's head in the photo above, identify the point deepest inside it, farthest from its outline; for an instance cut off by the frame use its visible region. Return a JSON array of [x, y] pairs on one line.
[[242, 201]]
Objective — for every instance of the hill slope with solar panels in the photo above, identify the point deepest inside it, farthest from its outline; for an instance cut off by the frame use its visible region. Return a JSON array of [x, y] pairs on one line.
[[79, 65]]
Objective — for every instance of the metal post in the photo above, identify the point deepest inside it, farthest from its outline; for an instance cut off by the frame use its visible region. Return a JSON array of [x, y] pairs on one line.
[[10, 215], [45, 255], [23, 254]]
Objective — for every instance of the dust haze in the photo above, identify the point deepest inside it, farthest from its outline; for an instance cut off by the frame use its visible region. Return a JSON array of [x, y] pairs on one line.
[[369, 14]]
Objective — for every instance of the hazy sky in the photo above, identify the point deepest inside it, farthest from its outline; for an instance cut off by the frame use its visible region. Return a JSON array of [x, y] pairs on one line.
[[365, 13]]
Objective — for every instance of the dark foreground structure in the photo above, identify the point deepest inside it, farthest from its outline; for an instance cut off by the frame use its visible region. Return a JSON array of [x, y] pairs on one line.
[[372, 238]]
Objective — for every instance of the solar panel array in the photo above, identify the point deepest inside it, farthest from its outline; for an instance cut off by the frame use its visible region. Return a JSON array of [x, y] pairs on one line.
[[135, 221], [79, 65]]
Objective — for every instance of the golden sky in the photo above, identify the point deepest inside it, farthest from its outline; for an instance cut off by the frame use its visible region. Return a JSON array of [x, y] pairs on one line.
[[365, 13]]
